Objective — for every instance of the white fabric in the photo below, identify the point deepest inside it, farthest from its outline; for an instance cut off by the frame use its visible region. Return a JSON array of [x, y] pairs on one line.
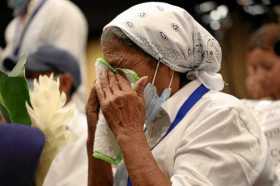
[[173, 37], [59, 23], [105, 142], [70, 167], [268, 113], [51, 116], [219, 143], [220, 137]]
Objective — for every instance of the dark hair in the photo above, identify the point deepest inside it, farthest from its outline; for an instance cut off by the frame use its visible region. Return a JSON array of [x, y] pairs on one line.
[[73, 88], [265, 37]]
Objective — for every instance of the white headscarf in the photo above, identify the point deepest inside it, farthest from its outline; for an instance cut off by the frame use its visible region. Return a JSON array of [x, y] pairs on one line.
[[172, 36]]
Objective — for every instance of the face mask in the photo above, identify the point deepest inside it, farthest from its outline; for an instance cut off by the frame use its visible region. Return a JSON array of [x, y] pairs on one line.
[[153, 102], [19, 6]]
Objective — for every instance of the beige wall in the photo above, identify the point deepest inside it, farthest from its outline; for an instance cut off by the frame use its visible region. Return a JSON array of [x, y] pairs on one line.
[[234, 45], [93, 52]]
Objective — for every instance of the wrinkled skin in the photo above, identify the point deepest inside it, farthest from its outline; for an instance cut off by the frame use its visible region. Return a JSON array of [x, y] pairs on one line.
[[122, 107], [120, 104], [119, 55], [92, 109], [124, 111], [263, 74]]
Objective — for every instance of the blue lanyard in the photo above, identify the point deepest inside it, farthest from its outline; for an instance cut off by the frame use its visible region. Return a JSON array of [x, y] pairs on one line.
[[183, 111], [18, 46]]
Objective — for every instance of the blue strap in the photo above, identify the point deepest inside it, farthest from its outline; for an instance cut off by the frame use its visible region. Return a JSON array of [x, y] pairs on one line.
[[17, 48], [129, 182], [183, 111]]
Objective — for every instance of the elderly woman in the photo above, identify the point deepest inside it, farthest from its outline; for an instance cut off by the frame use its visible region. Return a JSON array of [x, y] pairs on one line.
[[208, 138]]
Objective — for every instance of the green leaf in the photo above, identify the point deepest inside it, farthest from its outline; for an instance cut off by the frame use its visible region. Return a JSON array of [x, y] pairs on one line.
[[14, 94]]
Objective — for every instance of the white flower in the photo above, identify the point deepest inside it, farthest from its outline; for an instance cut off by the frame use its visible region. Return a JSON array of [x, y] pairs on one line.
[[49, 113]]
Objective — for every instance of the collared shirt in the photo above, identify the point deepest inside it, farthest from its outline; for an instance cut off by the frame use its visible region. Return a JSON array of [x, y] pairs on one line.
[[219, 142]]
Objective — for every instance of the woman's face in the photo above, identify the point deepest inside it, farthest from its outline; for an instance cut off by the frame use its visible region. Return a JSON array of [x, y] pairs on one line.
[[263, 78], [118, 54]]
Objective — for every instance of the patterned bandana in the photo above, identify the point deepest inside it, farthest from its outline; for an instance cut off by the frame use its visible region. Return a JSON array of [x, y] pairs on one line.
[[172, 36]]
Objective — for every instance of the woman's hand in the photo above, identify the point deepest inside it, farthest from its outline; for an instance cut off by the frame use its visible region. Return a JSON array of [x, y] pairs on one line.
[[92, 109], [122, 106], [99, 172], [124, 111]]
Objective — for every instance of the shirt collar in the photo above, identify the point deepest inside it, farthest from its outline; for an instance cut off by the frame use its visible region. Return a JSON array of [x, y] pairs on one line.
[[174, 103], [157, 130]]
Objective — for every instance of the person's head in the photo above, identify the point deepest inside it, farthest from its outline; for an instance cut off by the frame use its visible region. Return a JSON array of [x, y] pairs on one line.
[[263, 63], [161, 36], [120, 51], [19, 6], [20, 150], [52, 60]]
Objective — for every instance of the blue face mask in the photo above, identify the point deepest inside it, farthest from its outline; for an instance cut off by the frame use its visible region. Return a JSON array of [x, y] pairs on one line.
[[19, 6], [153, 102]]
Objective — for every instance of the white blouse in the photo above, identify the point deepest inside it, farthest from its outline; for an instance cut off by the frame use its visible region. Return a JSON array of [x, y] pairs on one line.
[[218, 143]]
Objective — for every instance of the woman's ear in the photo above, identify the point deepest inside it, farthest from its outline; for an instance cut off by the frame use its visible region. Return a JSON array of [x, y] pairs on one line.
[[66, 83]]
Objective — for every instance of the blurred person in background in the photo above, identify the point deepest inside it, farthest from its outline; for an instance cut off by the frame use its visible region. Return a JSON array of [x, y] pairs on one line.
[[263, 85], [263, 63], [20, 150], [50, 59], [40, 22], [71, 161], [208, 138]]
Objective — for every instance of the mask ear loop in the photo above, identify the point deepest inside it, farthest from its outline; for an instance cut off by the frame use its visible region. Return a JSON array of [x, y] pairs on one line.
[[154, 78], [171, 80]]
